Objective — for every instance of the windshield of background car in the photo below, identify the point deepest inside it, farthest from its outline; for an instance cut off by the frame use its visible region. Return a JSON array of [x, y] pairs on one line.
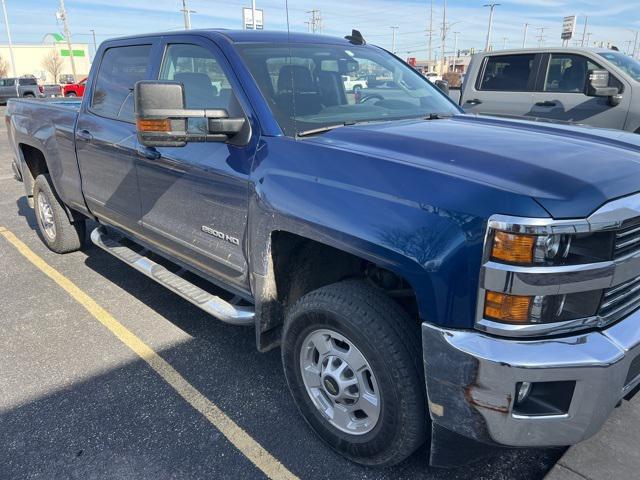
[[629, 65], [311, 86]]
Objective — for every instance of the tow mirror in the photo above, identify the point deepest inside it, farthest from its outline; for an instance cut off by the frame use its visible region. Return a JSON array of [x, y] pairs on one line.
[[442, 85], [161, 117], [598, 84]]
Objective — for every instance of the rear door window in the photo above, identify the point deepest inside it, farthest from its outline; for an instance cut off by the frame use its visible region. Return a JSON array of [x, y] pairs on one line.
[[119, 71], [508, 73]]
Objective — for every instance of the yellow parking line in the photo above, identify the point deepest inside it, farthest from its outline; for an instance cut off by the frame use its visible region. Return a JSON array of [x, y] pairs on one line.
[[234, 433]]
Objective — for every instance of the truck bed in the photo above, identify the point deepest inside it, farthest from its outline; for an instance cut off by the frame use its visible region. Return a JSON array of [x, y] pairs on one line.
[[47, 124]]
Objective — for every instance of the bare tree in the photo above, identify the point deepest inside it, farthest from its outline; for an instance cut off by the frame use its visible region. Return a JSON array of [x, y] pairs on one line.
[[52, 63], [4, 67]]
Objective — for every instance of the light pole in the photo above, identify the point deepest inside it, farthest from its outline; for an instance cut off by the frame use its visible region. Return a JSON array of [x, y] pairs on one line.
[[524, 38], [253, 14], [444, 36], [504, 43], [491, 7], [6, 22], [431, 32], [455, 49], [393, 39], [635, 44], [95, 45]]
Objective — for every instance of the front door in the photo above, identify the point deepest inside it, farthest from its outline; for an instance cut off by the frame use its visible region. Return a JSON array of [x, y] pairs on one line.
[[106, 139], [195, 198], [562, 97]]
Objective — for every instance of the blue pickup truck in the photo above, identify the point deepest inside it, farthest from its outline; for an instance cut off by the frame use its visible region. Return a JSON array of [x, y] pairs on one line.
[[427, 275]]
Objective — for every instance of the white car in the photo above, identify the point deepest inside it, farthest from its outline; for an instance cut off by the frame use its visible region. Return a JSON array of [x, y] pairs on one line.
[[353, 85], [433, 77]]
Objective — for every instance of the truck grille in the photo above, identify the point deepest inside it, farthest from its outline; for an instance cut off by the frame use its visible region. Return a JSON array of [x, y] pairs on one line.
[[620, 300], [627, 239]]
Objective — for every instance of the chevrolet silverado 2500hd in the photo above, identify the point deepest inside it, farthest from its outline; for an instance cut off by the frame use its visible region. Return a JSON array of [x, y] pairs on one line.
[[426, 274]]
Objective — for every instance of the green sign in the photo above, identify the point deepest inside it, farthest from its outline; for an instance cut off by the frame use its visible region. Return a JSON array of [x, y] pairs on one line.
[[76, 53]]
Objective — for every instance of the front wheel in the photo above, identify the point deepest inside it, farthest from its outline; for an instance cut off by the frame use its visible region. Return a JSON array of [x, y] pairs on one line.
[[353, 364]]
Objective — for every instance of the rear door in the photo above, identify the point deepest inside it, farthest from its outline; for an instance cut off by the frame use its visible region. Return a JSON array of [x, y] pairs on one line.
[[106, 138], [504, 86], [7, 89], [195, 198], [561, 96]]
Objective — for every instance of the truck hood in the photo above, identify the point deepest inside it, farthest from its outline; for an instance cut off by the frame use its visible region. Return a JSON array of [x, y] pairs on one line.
[[570, 171]]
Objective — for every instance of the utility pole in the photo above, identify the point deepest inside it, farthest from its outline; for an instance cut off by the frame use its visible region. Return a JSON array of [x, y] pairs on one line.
[[444, 37], [187, 15], [67, 34], [430, 32], [504, 43], [584, 30], [393, 40], [6, 23], [541, 36], [491, 7], [95, 45], [316, 21], [524, 38], [589, 38], [635, 43], [455, 49]]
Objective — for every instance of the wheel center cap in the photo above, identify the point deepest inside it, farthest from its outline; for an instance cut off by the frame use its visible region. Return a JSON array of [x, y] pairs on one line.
[[331, 386]]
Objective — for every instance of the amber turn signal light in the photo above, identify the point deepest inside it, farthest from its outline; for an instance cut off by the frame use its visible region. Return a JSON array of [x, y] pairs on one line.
[[507, 308], [153, 125], [509, 247]]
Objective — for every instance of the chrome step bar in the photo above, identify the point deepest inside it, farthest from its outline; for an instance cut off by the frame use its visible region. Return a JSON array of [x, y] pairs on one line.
[[213, 305]]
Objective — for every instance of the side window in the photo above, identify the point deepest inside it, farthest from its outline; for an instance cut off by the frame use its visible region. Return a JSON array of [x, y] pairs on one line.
[[567, 73], [119, 71], [205, 84], [507, 73]]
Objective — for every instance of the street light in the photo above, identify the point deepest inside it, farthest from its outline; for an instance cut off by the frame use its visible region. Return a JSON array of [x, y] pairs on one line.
[[491, 6], [6, 22]]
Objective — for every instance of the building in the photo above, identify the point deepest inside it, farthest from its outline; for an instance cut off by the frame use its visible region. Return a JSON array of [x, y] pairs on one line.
[[29, 58], [453, 64]]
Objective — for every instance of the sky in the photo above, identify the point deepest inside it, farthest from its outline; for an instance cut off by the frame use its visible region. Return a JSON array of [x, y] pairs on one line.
[[614, 21]]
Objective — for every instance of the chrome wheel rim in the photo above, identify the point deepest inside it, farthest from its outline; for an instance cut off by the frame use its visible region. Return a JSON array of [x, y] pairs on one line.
[[45, 213], [340, 382]]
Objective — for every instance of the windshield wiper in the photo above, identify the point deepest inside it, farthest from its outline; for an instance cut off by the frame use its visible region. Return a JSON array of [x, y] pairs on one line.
[[326, 128]]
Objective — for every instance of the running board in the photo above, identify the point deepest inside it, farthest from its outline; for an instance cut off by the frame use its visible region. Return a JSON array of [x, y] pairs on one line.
[[213, 305]]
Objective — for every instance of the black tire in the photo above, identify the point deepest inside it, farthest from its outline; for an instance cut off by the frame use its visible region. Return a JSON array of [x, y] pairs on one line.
[[29, 95], [373, 323], [71, 94], [67, 236]]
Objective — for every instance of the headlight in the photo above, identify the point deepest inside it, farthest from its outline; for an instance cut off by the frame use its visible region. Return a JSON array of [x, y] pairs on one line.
[[551, 249]]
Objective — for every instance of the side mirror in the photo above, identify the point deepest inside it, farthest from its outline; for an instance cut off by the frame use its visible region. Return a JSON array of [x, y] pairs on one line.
[[442, 85], [597, 84], [161, 117]]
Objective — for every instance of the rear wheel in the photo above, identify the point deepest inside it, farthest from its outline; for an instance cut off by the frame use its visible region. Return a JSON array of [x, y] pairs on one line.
[[58, 233], [71, 94], [29, 95], [352, 361]]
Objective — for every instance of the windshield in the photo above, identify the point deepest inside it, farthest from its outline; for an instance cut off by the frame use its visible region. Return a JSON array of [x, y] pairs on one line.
[[311, 86], [629, 65]]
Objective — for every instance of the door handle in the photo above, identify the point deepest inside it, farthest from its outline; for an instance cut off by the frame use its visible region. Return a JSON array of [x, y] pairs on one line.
[[546, 104], [149, 153], [474, 101], [84, 135]]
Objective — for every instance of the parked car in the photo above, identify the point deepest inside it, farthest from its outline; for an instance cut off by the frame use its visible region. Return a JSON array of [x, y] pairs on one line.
[[556, 84], [74, 89], [49, 91], [433, 77], [353, 84], [19, 87], [426, 274]]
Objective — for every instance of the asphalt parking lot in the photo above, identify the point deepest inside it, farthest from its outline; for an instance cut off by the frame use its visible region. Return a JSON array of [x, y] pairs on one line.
[[77, 402]]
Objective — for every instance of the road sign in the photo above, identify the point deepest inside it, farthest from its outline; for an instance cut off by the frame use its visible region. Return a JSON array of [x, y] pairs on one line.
[[568, 27], [247, 19]]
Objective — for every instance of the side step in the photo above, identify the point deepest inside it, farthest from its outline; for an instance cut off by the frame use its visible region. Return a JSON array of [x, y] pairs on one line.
[[213, 305]]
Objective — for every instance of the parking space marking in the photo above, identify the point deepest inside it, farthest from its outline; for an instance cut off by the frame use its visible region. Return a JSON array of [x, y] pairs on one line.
[[249, 447]]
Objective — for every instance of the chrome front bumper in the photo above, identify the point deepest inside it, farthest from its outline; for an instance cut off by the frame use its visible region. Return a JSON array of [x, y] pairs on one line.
[[471, 381]]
